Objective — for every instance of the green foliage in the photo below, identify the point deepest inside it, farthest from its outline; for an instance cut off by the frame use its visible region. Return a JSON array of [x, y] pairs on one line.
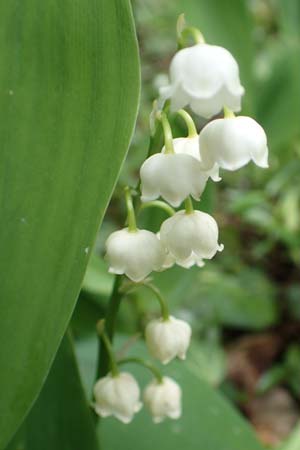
[[286, 372], [97, 280], [69, 89], [61, 418]]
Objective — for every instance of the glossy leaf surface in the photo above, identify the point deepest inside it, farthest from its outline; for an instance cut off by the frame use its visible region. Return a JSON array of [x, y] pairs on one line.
[[69, 79]]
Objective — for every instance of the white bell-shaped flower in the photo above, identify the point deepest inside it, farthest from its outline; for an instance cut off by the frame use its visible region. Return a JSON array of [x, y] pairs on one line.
[[190, 146], [205, 77], [230, 143], [163, 399], [117, 396], [134, 253], [173, 177], [168, 338], [190, 237]]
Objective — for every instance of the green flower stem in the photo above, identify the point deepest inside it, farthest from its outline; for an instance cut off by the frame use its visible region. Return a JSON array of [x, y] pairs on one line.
[[163, 304], [145, 364], [192, 131], [108, 347], [131, 287], [228, 114], [156, 138], [158, 204], [130, 211], [110, 323], [189, 209], [167, 133], [196, 34]]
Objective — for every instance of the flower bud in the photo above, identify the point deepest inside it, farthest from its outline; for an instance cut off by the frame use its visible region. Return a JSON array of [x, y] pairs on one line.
[[163, 399], [230, 143], [134, 253], [205, 77], [172, 176], [167, 339], [117, 396], [190, 237]]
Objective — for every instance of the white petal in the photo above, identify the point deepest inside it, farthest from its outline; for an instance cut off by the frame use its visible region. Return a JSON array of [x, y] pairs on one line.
[[190, 238], [173, 177], [117, 396], [200, 77], [232, 143], [167, 339], [192, 260], [135, 254], [179, 98], [163, 399], [207, 107], [204, 76], [190, 146]]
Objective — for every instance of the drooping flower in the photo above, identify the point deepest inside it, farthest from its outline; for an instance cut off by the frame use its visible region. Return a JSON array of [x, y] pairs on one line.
[[190, 237], [190, 146], [167, 339], [230, 143], [134, 253], [173, 177], [205, 77], [117, 396], [163, 399]]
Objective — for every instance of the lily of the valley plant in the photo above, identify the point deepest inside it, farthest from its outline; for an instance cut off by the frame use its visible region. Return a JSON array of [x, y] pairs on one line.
[[205, 79]]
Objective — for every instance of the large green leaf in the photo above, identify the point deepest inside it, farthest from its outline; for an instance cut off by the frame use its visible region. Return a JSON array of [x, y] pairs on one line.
[[69, 80], [61, 418]]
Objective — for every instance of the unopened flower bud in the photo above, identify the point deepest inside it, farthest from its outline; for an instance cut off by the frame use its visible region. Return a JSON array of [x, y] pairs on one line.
[[205, 77], [163, 399], [134, 253], [190, 237], [167, 339], [173, 177], [117, 396], [230, 143]]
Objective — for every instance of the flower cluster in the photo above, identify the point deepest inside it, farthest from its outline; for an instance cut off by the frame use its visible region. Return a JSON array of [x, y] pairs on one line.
[[204, 78], [119, 396]]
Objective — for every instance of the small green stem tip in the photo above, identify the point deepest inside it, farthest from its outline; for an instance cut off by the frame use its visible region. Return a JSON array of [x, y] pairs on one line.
[[228, 114], [130, 211], [103, 336], [188, 204]]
